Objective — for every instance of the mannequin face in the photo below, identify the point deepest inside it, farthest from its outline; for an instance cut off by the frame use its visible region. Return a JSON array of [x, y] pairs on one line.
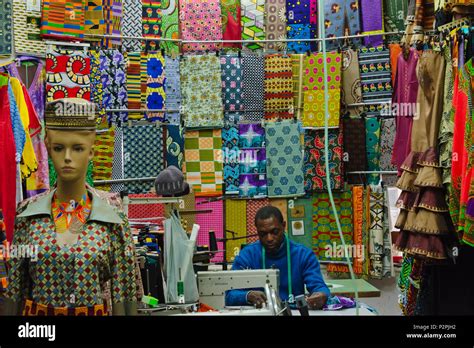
[[70, 152]]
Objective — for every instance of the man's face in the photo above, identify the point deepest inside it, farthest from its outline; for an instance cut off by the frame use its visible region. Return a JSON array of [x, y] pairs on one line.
[[271, 233], [70, 152]]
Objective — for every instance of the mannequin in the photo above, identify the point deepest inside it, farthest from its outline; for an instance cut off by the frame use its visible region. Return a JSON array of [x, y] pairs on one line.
[[82, 240]]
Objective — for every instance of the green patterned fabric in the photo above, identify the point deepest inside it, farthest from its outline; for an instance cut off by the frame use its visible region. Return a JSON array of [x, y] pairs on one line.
[[372, 127], [170, 25], [5, 27], [395, 13], [300, 215]]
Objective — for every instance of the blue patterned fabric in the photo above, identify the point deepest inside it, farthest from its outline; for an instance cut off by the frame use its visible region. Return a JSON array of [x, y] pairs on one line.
[[175, 146], [18, 130], [117, 165], [173, 90], [155, 91], [231, 71], [143, 155], [230, 146], [284, 159], [299, 31]]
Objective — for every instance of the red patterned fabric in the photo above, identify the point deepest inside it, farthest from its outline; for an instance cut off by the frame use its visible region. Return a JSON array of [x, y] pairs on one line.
[[212, 221], [144, 211], [252, 207]]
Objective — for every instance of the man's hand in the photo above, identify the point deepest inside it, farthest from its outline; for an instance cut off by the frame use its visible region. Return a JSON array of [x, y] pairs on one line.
[[256, 298], [317, 300]]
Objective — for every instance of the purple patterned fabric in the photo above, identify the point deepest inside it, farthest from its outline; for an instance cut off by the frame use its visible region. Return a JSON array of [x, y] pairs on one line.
[[372, 20]]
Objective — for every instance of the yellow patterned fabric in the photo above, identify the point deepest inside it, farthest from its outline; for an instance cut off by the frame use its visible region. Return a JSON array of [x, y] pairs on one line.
[[235, 221], [278, 87], [103, 157], [297, 68]]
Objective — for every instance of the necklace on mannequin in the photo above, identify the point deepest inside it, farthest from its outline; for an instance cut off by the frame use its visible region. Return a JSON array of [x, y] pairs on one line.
[[71, 216]]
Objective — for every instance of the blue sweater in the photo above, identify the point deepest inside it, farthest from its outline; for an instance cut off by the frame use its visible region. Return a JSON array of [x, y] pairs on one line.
[[304, 268]]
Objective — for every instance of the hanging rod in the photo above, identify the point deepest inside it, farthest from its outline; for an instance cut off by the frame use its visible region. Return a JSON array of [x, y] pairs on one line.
[[142, 110], [66, 43], [142, 38]]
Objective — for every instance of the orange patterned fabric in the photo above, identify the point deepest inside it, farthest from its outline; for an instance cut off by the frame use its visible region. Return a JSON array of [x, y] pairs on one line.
[[33, 309], [252, 207]]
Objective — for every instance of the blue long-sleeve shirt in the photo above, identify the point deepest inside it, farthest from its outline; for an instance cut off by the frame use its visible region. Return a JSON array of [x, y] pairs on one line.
[[305, 270]]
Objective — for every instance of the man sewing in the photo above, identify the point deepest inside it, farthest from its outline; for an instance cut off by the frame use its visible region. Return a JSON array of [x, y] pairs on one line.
[[271, 251]]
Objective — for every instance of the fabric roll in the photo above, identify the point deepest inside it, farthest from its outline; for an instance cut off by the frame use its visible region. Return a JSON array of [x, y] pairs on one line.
[[275, 24], [231, 22], [372, 21], [132, 24], [6, 35], [314, 160], [231, 75], [173, 91], [134, 85], [170, 26], [278, 87], [253, 207], [201, 90], [326, 240], [155, 88], [284, 159], [376, 232], [113, 76], [212, 221], [356, 149], [117, 164], [142, 144], [151, 23], [253, 23], [372, 140], [67, 75], [300, 221], [113, 17], [27, 29], [253, 75], [351, 92], [103, 157], [235, 221], [230, 146], [175, 146], [57, 21], [203, 162], [200, 20]]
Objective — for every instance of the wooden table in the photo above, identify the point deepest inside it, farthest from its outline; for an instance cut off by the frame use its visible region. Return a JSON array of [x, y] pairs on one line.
[[345, 287]]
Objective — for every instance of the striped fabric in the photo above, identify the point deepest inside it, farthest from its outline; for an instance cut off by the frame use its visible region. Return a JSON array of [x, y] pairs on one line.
[[63, 19], [134, 84], [103, 157], [113, 15], [94, 19]]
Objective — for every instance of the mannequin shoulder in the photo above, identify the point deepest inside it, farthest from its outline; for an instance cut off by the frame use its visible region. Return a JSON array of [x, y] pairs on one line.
[[21, 207], [112, 198]]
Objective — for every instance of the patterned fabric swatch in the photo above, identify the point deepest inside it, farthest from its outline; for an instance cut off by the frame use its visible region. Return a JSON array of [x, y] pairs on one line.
[[146, 211], [174, 146], [302, 11], [142, 144], [6, 27], [103, 157], [395, 14], [212, 221], [230, 146], [252, 207], [235, 221], [314, 160], [27, 29], [372, 126], [113, 16], [275, 24], [355, 148], [155, 89], [284, 159], [231, 72], [299, 31], [300, 221], [325, 232], [151, 21], [351, 92], [173, 90], [376, 232], [134, 85], [113, 69], [253, 25], [231, 22], [253, 74], [203, 162], [132, 24], [297, 67], [201, 89], [253, 161], [170, 26], [278, 86], [341, 18], [371, 12], [387, 139], [117, 164], [358, 221], [97, 89], [67, 75], [314, 109], [200, 20], [63, 19]]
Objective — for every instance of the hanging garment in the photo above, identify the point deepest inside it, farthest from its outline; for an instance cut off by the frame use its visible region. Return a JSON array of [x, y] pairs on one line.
[[211, 221], [103, 157], [253, 75], [253, 206], [151, 21], [94, 22], [252, 160], [155, 87], [395, 51], [351, 92], [342, 18], [132, 24], [300, 221], [63, 20], [284, 159], [314, 160], [404, 99], [231, 76], [114, 84], [314, 107], [253, 25], [203, 162], [174, 146], [355, 149], [200, 20], [326, 240], [371, 13], [26, 28], [297, 67], [201, 89], [423, 217], [67, 75], [142, 144], [117, 164], [278, 86], [19, 133], [372, 143], [235, 221], [173, 91], [275, 24], [395, 14], [6, 35], [170, 26], [230, 146], [231, 22], [134, 85], [387, 138]]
